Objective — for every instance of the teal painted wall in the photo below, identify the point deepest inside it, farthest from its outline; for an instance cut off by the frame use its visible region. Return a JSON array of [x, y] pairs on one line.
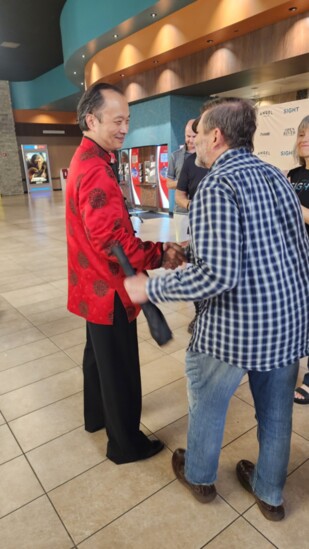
[[83, 21], [51, 86]]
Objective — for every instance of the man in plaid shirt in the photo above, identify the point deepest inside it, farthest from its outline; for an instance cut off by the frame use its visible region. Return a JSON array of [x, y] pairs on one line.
[[250, 272]]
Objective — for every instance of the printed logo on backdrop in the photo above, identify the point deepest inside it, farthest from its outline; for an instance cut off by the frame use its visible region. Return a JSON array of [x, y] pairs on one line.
[[289, 131], [276, 134], [263, 153], [290, 110], [267, 112]]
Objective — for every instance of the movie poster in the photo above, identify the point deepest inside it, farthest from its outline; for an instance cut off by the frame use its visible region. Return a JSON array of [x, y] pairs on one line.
[[37, 168]]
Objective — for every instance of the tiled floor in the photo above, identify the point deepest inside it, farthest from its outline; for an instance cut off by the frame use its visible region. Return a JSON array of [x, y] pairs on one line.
[[57, 489]]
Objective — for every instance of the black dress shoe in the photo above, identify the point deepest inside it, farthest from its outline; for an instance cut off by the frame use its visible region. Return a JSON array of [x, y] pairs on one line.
[[203, 493], [150, 449], [244, 471]]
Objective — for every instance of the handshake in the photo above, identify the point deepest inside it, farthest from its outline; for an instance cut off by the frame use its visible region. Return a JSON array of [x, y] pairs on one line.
[[173, 255]]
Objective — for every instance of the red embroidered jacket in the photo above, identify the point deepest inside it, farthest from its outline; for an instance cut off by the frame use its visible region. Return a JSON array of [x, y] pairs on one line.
[[97, 218]]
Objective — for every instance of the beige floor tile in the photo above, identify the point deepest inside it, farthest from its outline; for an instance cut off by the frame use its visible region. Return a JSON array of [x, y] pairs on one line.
[[175, 434], [27, 399], [19, 281], [148, 353], [240, 534], [240, 418], [160, 372], [243, 392], [9, 448], [34, 294], [290, 532], [67, 456], [246, 447], [61, 284], [102, 494], [26, 353], [188, 524], [35, 526], [76, 353], [50, 315], [69, 339], [180, 340], [49, 422], [35, 370], [62, 325], [18, 485], [180, 355], [30, 311], [176, 320], [165, 405], [17, 339], [12, 322], [301, 420], [2, 420]]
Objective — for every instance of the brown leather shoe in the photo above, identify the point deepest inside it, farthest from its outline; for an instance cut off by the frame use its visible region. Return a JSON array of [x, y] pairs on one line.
[[203, 493], [244, 471]]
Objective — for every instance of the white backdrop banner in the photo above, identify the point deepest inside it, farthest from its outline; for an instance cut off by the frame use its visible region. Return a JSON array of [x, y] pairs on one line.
[[275, 136]]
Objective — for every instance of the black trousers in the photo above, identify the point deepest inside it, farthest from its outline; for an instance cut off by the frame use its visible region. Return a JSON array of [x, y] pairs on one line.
[[112, 386]]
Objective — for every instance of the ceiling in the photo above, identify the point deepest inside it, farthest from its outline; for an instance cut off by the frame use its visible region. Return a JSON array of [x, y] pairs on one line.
[[35, 26]]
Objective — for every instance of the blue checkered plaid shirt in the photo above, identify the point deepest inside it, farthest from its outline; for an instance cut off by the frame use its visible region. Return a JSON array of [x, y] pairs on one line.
[[251, 266]]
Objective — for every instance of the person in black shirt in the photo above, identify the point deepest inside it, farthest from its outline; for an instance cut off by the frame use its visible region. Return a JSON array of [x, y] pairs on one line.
[[190, 176], [299, 178]]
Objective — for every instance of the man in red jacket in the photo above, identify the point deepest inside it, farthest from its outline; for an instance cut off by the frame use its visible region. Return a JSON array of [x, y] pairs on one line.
[[96, 219]]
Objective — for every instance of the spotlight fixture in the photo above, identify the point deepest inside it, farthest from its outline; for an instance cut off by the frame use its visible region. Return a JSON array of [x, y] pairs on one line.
[[82, 83], [153, 15], [210, 41], [74, 72], [115, 35], [122, 75], [293, 8], [155, 62], [83, 56]]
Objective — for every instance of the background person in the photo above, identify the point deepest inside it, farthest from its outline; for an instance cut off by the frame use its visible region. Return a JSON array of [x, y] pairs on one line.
[[96, 219], [251, 271], [175, 164], [189, 178], [299, 178]]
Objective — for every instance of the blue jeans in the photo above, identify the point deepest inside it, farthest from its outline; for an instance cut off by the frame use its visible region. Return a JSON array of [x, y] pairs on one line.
[[211, 384]]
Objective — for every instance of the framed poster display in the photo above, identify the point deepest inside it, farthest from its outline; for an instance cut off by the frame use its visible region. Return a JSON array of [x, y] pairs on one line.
[[37, 168]]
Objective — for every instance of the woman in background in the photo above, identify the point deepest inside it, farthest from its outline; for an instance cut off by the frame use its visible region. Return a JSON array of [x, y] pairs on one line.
[[299, 178]]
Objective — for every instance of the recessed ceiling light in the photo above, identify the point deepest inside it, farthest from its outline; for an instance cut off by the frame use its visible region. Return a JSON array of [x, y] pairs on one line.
[[210, 41], [153, 15], [82, 83], [10, 45], [155, 61], [293, 8], [122, 75], [115, 35], [83, 56], [74, 72]]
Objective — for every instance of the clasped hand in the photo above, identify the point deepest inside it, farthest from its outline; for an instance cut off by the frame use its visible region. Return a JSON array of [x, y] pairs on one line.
[[173, 255]]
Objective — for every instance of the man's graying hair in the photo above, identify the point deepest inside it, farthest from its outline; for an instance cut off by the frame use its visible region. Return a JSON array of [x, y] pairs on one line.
[[235, 118], [92, 101]]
